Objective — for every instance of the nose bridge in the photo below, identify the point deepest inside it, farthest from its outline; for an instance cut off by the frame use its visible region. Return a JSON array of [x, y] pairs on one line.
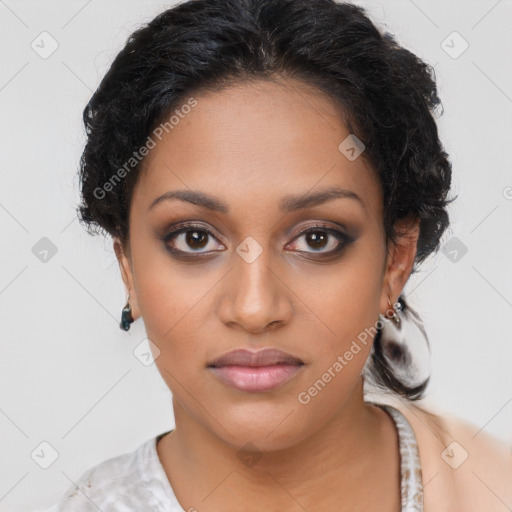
[[253, 275], [256, 297]]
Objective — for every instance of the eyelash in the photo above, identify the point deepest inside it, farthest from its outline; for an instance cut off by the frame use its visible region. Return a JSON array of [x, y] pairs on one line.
[[343, 239]]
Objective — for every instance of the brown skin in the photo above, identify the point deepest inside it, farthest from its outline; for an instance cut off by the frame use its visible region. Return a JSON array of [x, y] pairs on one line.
[[250, 145]]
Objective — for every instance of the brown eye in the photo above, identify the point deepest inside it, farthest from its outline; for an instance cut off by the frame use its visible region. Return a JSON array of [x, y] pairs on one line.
[[319, 238], [190, 239], [196, 239]]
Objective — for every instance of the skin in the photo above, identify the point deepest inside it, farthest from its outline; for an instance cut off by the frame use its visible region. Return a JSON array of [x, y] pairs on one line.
[[250, 145]]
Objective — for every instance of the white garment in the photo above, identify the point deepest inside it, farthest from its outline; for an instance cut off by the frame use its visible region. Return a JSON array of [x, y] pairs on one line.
[[136, 481]]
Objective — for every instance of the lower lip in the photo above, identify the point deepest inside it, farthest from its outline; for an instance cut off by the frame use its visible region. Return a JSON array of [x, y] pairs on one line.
[[256, 379]]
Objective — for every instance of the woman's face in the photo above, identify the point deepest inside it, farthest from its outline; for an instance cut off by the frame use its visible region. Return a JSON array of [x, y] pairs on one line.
[[243, 276]]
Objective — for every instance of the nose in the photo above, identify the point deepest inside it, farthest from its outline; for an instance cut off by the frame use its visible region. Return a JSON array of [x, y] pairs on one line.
[[255, 297]]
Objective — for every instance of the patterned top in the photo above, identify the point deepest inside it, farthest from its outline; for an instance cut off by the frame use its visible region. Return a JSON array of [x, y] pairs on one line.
[[411, 488], [137, 481]]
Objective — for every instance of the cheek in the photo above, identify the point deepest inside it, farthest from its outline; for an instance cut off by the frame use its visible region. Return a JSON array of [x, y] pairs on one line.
[[173, 312], [343, 304], [347, 311], [172, 317], [169, 298], [344, 311]]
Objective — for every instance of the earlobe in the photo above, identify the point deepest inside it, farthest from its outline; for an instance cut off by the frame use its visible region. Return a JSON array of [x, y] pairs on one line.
[[123, 263], [127, 277]]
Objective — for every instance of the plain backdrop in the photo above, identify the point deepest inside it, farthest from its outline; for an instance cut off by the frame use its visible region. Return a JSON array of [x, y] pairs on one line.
[[68, 374]]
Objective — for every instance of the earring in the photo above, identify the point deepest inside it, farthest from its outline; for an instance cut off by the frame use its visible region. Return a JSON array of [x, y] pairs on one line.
[[396, 308], [126, 316]]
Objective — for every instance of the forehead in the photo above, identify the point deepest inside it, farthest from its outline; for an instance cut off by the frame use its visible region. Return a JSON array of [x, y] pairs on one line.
[[254, 142]]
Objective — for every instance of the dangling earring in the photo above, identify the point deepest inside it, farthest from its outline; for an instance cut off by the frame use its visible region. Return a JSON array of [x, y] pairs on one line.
[[126, 316], [401, 350]]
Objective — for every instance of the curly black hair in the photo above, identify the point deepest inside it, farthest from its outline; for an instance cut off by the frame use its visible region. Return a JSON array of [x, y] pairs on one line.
[[386, 94]]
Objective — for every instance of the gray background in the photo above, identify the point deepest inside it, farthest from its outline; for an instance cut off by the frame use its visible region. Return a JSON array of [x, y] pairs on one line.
[[68, 374]]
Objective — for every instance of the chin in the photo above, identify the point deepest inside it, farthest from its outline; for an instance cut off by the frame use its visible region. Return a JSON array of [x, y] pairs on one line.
[[262, 432]]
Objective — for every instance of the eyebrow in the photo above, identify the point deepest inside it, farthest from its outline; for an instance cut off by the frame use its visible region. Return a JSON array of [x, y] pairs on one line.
[[289, 203]]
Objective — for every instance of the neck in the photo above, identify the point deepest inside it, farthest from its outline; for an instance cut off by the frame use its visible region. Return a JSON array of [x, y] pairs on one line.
[[350, 448]]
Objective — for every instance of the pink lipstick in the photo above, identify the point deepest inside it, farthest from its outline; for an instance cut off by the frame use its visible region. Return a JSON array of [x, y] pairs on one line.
[[256, 372]]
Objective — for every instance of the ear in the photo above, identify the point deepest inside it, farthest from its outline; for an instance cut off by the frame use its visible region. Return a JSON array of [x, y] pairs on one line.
[[124, 261], [400, 261]]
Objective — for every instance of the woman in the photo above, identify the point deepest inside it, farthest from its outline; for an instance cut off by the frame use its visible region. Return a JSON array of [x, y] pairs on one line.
[[271, 174]]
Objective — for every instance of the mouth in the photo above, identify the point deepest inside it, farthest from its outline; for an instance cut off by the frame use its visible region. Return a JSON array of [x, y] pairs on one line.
[[263, 357], [255, 372], [256, 379]]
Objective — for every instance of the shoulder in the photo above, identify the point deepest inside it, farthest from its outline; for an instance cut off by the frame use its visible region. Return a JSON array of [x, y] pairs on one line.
[[462, 464], [114, 484]]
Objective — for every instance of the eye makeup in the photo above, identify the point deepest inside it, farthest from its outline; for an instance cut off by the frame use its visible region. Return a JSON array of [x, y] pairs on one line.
[[190, 240]]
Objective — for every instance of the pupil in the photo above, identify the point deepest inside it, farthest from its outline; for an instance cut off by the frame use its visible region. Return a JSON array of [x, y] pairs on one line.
[[194, 239], [314, 237]]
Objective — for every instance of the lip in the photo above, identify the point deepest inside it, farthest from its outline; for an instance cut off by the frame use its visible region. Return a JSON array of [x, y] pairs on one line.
[[255, 372], [262, 357], [256, 379]]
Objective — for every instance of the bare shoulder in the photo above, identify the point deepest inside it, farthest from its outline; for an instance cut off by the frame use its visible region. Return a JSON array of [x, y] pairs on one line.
[[464, 467]]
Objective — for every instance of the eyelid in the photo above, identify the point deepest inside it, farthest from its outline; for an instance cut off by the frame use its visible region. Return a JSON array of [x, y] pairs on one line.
[[318, 226], [184, 227], [342, 237]]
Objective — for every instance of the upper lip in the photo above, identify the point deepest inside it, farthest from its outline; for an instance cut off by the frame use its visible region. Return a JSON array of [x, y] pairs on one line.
[[263, 357]]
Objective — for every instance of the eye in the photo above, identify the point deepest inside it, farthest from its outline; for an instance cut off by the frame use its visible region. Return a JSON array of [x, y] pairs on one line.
[[190, 236], [319, 238], [191, 239]]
